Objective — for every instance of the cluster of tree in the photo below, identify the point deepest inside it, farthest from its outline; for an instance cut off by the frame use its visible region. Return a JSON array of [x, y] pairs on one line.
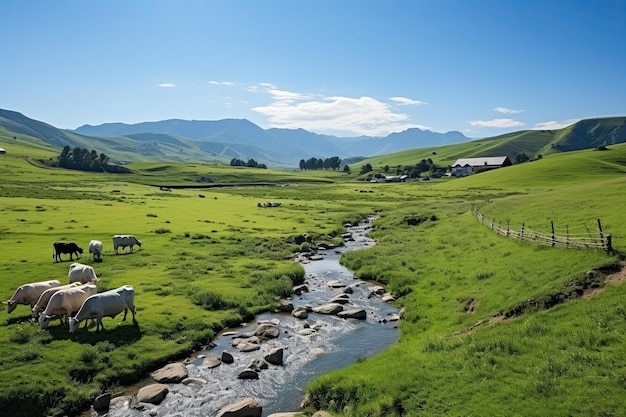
[[251, 163], [319, 164], [411, 171], [85, 160]]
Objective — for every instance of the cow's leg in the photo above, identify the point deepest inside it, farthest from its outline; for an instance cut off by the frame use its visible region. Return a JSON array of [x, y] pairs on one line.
[[99, 325]]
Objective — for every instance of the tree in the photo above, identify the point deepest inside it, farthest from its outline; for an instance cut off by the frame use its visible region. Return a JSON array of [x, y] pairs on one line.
[[346, 169], [366, 168], [302, 165]]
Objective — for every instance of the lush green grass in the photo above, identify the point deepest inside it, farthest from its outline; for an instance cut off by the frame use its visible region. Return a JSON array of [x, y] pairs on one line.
[[207, 263]]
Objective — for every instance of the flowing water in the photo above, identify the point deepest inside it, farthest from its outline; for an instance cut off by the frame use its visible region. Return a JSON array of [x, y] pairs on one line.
[[336, 343]]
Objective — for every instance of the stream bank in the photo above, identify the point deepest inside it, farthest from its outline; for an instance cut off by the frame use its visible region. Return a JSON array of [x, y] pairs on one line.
[[311, 347]]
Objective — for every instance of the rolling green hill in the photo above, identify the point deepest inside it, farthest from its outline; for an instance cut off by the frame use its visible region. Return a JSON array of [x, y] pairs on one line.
[[585, 134]]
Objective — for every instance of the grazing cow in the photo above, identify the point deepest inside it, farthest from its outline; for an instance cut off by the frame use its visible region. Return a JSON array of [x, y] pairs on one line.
[[29, 294], [65, 302], [82, 273], [105, 304], [45, 297], [95, 248], [125, 240], [65, 247]]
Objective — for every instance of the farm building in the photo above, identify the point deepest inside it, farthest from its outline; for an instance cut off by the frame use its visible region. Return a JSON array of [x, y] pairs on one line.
[[467, 166]]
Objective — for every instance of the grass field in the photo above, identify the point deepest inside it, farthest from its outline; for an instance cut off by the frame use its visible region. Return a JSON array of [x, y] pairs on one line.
[[492, 326]]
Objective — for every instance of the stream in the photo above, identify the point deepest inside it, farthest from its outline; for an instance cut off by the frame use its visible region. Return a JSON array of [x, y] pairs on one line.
[[335, 344]]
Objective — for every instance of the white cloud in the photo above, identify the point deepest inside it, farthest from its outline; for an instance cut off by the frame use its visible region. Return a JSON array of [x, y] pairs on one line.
[[403, 101], [169, 85], [362, 116], [504, 110], [498, 123], [553, 124], [229, 83]]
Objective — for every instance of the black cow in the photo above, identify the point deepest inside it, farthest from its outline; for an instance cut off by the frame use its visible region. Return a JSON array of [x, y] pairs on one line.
[[65, 247]]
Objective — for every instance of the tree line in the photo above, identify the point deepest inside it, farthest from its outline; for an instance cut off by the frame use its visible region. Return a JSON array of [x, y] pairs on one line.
[[313, 164], [84, 160], [251, 163]]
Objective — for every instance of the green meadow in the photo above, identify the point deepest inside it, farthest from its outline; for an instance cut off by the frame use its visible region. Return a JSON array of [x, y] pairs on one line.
[[491, 326]]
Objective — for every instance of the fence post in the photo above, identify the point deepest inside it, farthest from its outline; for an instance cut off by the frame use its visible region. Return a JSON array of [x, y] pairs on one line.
[[521, 237], [609, 246], [567, 236], [602, 236], [508, 228], [552, 224]]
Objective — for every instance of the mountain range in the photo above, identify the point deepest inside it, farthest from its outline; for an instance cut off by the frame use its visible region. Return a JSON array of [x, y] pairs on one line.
[[222, 140]]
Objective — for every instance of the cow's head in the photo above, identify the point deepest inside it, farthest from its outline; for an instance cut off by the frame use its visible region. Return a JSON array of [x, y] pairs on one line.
[[73, 324], [80, 250], [44, 321], [10, 305]]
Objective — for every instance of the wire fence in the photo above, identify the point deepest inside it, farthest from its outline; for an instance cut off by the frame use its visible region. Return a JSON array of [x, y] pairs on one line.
[[600, 241]]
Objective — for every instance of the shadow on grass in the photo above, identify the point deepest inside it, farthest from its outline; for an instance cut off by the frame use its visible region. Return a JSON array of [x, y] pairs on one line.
[[120, 334]]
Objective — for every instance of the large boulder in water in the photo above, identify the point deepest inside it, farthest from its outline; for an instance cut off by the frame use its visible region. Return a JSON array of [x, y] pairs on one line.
[[171, 373], [331, 309], [267, 331], [275, 356], [357, 313], [245, 408], [153, 394]]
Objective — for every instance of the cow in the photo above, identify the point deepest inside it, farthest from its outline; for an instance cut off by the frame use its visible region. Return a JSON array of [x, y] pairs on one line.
[[95, 248], [65, 247], [29, 294], [105, 304], [82, 273], [125, 240], [41, 304], [65, 302]]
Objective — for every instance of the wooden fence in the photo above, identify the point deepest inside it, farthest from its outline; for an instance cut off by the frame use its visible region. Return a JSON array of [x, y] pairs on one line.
[[601, 241]]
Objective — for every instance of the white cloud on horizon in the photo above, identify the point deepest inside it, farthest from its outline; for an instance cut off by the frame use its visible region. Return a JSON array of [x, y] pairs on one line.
[[331, 115], [505, 110], [361, 116], [497, 123], [167, 85], [554, 125], [404, 101]]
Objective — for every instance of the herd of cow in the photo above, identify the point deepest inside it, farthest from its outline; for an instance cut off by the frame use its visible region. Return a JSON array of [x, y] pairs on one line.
[[50, 299]]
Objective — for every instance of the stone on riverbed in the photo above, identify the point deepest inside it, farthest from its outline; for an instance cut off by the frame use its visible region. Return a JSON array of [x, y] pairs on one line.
[[248, 374], [194, 381], [275, 356], [331, 309], [336, 284], [300, 313], [227, 358], [244, 408], [153, 394], [171, 373], [102, 402], [357, 313], [267, 331], [212, 361]]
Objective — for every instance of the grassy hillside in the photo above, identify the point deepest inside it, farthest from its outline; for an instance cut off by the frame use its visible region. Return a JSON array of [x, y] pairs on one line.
[[492, 326]]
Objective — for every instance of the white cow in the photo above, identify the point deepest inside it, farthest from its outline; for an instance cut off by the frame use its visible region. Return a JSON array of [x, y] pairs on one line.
[[95, 248], [45, 297], [105, 304], [29, 294], [82, 273], [65, 302], [125, 240]]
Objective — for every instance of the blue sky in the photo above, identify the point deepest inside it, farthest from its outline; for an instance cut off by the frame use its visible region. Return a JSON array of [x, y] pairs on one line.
[[348, 68]]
